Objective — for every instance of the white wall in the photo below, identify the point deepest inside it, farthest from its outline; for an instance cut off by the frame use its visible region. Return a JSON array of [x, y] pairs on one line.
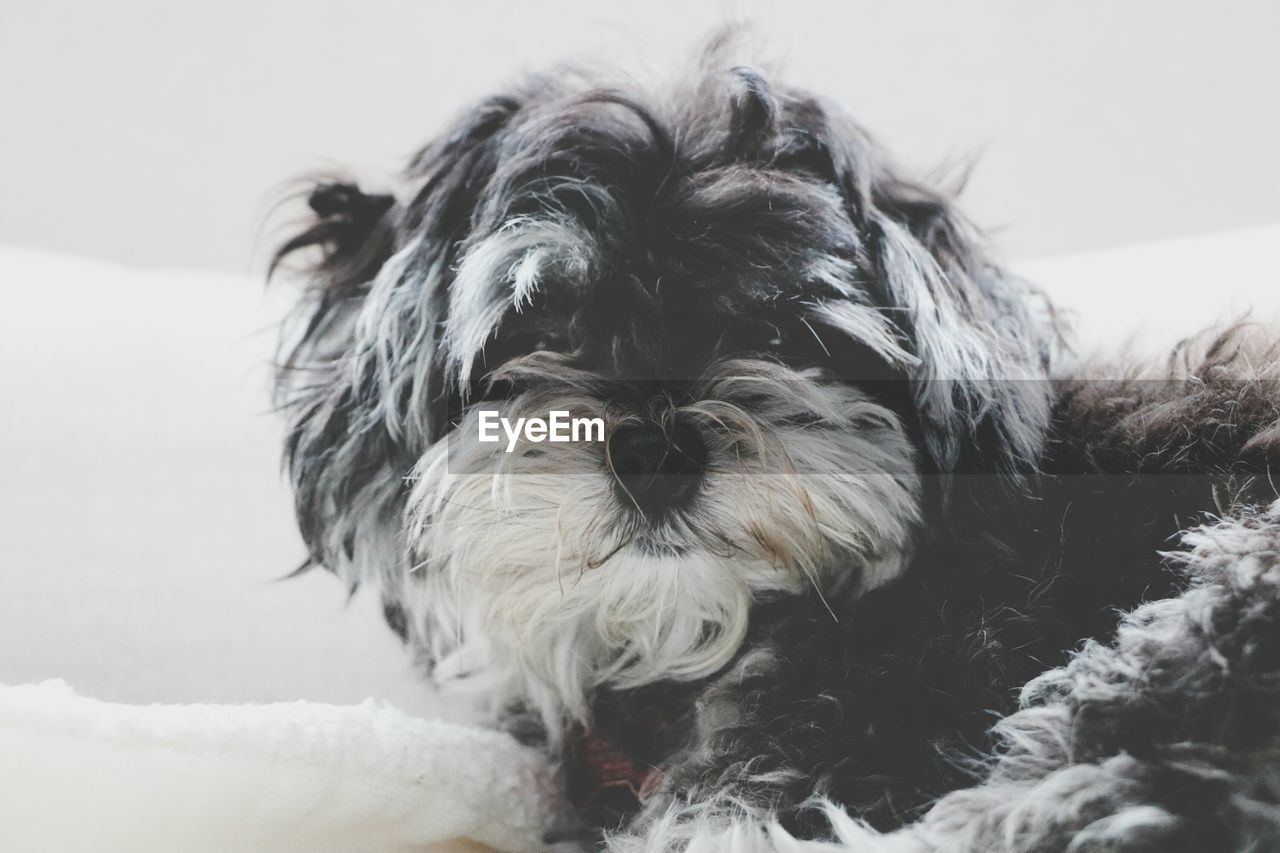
[[155, 132]]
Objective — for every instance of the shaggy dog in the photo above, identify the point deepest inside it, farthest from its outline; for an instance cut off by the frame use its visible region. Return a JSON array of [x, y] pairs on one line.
[[846, 508]]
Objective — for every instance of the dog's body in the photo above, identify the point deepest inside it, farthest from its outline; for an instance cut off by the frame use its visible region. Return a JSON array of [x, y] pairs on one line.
[[845, 510]]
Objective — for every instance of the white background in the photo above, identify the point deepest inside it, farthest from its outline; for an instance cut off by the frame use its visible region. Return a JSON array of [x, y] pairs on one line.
[[155, 132]]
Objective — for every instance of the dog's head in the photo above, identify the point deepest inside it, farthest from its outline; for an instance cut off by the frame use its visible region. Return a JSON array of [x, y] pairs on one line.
[[791, 349]]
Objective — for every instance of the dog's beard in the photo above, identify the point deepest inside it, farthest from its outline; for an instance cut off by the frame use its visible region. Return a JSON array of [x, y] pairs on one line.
[[535, 578]]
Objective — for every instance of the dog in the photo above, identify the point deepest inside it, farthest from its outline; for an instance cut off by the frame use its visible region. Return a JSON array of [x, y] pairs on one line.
[[845, 505]]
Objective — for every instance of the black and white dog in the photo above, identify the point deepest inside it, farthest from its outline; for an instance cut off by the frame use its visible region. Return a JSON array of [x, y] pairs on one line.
[[844, 509]]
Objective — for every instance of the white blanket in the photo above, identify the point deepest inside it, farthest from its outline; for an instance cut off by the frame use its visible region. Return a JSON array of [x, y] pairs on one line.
[[77, 774]]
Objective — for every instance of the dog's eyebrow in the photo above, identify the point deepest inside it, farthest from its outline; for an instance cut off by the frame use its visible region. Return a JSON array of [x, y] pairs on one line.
[[501, 272]]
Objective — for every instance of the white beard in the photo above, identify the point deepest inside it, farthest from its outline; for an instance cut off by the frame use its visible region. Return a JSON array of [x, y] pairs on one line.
[[536, 583]]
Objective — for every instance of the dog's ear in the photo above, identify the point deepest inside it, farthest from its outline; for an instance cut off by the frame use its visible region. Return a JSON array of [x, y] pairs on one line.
[[980, 346], [354, 232], [983, 352], [359, 378]]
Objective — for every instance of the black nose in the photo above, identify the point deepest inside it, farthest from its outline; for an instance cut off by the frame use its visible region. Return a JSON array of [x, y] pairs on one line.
[[657, 470]]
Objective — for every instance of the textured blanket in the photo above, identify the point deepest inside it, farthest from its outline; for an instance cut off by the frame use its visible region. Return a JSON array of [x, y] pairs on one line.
[[1165, 741], [82, 775]]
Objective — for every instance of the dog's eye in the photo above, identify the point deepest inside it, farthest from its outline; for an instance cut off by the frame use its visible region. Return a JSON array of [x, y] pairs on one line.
[[766, 338], [798, 343], [550, 342], [533, 340]]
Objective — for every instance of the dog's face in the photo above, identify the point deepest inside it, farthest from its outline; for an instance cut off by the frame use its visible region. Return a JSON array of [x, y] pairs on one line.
[[782, 340]]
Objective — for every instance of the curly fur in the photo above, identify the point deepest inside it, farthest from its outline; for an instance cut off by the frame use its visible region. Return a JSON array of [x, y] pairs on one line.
[[902, 515], [1166, 739]]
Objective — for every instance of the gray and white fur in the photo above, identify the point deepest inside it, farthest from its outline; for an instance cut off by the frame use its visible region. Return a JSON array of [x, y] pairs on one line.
[[843, 511]]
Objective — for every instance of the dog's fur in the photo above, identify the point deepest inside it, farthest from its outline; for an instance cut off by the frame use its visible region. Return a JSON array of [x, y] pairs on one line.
[[902, 515]]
